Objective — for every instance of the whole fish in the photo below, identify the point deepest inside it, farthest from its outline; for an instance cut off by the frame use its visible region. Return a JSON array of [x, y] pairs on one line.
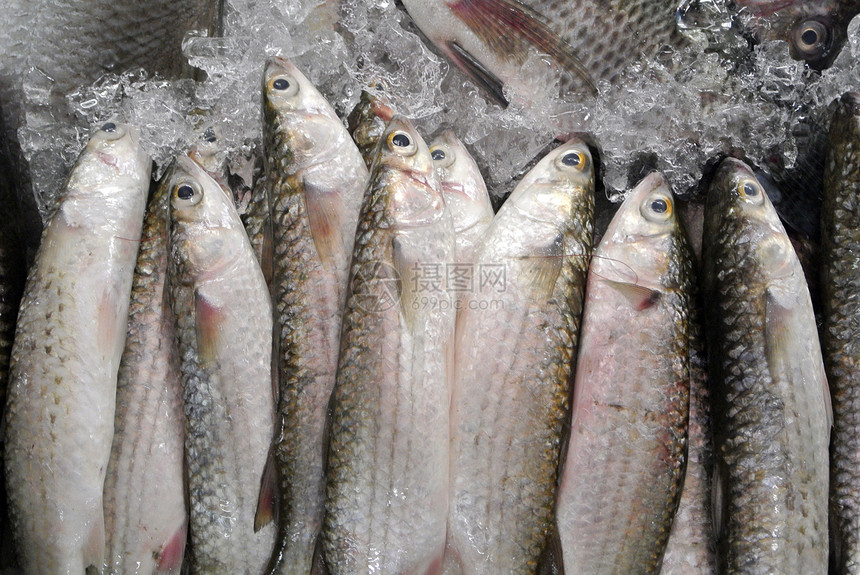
[[626, 454], [770, 396], [516, 343], [816, 30], [464, 191], [367, 123], [387, 467], [144, 495], [68, 342], [315, 180], [224, 329], [840, 286], [589, 41]]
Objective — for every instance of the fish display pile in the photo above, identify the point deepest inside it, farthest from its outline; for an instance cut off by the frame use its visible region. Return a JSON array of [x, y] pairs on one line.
[[412, 289]]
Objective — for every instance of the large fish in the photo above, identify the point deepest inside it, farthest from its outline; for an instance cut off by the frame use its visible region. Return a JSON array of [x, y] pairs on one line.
[[224, 329], [387, 474], [315, 180], [588, 41], [625, 461], [144, 496], [840, 337], [464, 191], [816, 30], [69, 339], [517, 333], [771, 403]]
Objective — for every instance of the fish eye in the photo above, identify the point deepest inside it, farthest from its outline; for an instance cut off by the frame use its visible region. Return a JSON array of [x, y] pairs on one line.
[[657, 208], [442, 156], [284, 85], [750, 191], [438, 154], [401, 143], [209, 135], [111, 131], [811, 39], [187, 194], [109, 127], [573, 159]]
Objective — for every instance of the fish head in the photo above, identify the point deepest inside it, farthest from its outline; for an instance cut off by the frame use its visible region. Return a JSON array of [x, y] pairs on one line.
[[412, 188], [202, 218], [113, 154], [463, 187], [368, 119], [294, 111], [738, 207], [636, 247]]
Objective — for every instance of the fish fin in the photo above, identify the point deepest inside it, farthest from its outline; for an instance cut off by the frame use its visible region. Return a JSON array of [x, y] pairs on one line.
[[828, 400], [267, 261], [208, 325], [478, 72], [94, 546], [435, 566], [172, 552], [640, 297], [551, 559], [509, 28], [267, 502], [318, 564], [406, 267], [107, 320], [717, 499], [325, 216], [540, 271]]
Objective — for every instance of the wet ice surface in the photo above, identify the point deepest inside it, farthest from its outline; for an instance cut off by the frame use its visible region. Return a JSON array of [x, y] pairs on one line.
[[730, 99]]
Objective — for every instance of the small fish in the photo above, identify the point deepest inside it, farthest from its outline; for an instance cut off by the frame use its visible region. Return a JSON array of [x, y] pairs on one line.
[[367, 123], [626, 454], [516, 343], [315, 180], [770, 396], [588, 41], [816, 30], [387, 472], [68, 342], [144, 496], [224, 329], [464, 191], [840, 296]]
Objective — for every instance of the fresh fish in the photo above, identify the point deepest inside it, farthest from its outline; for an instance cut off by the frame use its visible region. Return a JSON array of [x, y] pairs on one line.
[[771, 403], [68, 342], [840, 296], [626, 454], [589, 41], [516, 342], [315, 180], [816, 30], [387, 467], [464, 191], [224, 329], [367, 123], [144, 495]]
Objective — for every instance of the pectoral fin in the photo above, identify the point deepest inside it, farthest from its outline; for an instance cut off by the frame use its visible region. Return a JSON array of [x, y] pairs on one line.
[[267, 502], [208, 318], [171, 554], [640, 297], [540, 271], [325, 216]]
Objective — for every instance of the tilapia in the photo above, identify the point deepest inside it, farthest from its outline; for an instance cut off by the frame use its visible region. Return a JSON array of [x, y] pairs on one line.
[[464, 191], [367, 123], [590, 42], [144, 495], [770, 396], [840, 290], [816, 30], [315, 180], [387, 466], [68, 342], [626, 454], [224, 329], [517, 333]]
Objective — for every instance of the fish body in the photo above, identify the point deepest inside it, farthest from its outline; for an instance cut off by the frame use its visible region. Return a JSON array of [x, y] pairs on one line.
[[224, 330], [68, 342], [626, 453], [464, 191], [367, 123], [315, 180], [516, 343], [387, 467], [144, 496], [770, 397], [588, 41], [840, 285]]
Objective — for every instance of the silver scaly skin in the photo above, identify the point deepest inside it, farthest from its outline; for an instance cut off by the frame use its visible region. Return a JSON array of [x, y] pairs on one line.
[[69, 339], [315, 180], [387, 474], [771, 403], [224, 329]]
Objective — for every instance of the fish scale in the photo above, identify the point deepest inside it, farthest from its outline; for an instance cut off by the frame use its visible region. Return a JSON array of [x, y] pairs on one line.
[[840, 286]]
